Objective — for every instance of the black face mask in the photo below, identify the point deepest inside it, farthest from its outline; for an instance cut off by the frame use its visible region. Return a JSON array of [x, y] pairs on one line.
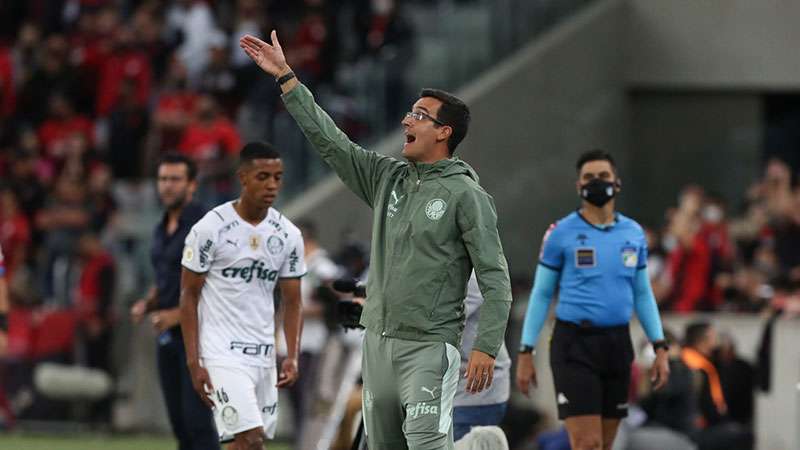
[[598, 192]]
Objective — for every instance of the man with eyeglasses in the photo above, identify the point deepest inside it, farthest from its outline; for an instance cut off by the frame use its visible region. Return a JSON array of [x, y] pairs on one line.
[[432, 224]]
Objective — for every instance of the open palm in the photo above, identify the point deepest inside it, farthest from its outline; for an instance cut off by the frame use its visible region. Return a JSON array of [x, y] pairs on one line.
[[269, 57]]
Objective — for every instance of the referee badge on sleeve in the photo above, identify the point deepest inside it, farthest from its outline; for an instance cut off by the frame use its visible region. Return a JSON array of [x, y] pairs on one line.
[[585, 257], [630, 257]]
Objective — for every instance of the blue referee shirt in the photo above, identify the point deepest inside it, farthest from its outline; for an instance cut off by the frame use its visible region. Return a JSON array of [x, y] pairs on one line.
[[597, 268]]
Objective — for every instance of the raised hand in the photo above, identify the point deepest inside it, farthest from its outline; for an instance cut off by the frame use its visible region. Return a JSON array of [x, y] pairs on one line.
[[269, 57]]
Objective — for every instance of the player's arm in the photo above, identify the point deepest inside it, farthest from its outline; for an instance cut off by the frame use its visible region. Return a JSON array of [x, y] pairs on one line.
[[359, 169], [544, 286], [477, 222], [292, 270], [292, 324], [191, 286], [644, 302]]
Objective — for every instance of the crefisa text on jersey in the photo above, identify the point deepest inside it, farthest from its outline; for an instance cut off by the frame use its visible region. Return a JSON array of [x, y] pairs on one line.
[[256, 269]]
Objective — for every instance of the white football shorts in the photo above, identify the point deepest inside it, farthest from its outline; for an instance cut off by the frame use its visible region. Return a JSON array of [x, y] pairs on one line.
[[245, 397]]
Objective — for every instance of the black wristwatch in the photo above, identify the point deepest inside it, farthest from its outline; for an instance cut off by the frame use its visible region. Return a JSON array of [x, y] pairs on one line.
[[660, 344], [284, 78], [527, 349]]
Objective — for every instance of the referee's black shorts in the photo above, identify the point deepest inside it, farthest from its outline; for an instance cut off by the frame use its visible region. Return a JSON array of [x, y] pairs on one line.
[[591, 369]]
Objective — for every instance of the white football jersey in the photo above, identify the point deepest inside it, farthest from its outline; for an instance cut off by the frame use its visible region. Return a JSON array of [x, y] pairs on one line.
[[236, 314]]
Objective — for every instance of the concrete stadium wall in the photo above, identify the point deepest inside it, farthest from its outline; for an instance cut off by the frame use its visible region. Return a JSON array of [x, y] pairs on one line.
[[532, 115], [714, 44]]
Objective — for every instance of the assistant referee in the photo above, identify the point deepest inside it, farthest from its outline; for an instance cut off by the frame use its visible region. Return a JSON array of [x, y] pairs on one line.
[[597, 258]]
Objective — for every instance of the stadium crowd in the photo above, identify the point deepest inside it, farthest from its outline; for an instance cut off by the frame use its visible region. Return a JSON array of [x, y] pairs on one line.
[[92, 91]]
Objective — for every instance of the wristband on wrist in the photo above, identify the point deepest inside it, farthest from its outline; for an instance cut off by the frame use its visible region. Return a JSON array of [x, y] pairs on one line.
[[527, 349], [284, 78], [3, 322], [660, 344]]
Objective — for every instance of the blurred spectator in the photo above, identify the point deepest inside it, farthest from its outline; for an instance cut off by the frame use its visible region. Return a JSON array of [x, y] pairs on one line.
[[23, 179], [175, 107], [192, 25], [52, 74], [92, 43], [700, 250], [93, 300], [786, 239], [127, 63], [219, 79], [15, 232], [76, 158], [210, 136], [667, 419], [63, 218], [101, 204], [212, 141], [63, 121], [713, 429], [250, 18], [699, 343], [7, 89], [738, 378], [127, 128], [148, 27], [674, 406], [25, 52], [312, 48], [386, 34]]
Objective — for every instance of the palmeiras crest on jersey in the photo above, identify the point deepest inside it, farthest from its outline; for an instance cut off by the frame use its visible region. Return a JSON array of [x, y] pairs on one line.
[[274, 245], [435, 209]]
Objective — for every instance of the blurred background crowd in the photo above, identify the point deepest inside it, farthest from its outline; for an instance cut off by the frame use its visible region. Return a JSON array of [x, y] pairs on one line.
[[93, 91]]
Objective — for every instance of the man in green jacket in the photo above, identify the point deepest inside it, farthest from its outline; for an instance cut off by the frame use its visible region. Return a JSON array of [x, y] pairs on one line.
[[432, 224]]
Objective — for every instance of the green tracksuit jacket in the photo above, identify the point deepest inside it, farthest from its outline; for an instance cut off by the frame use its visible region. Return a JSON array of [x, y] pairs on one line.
[[432, 223]]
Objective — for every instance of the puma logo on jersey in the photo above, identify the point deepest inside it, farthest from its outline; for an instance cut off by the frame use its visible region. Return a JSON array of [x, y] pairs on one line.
[[430, 391], [562, 399], [392, 208]]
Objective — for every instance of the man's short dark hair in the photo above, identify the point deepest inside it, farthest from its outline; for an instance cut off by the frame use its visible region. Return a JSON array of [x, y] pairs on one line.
[[257, 150], [454, 113], [177, 158], [595, 155], [695, 332]]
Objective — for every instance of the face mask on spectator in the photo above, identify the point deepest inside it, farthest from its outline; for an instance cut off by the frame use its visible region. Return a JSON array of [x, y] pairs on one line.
[[712, 214], [669, 242]]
